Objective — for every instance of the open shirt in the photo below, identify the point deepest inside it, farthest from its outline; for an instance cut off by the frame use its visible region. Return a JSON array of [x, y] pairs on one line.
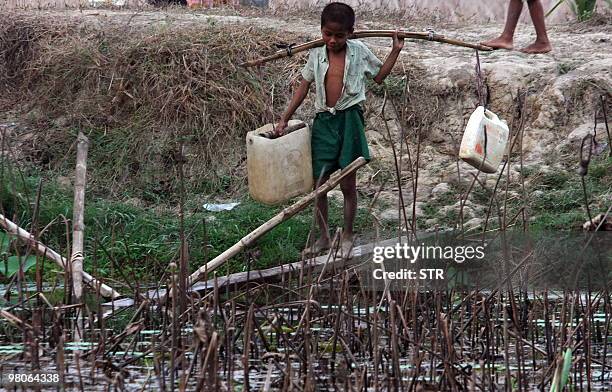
[[360, 63]]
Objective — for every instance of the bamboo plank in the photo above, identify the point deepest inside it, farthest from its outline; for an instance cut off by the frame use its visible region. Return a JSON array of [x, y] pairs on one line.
[[315, 265]]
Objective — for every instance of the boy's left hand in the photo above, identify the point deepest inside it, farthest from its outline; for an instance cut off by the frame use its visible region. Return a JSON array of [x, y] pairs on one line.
[[398, 43]]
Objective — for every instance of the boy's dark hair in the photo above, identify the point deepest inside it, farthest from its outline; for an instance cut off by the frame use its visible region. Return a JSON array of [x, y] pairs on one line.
[[340, 13]]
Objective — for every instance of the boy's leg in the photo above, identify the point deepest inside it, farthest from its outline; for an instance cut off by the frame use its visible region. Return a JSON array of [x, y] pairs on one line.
[[506, 39], [324, 145], [321, 212], [541, 44], [349, 190], [354, 145]]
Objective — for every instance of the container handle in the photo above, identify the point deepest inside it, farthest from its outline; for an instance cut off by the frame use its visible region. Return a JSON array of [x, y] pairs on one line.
[[490, 115], [272, 135]]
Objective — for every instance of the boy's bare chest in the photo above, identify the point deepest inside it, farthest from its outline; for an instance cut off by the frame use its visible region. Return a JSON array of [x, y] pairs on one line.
[[336, 68]]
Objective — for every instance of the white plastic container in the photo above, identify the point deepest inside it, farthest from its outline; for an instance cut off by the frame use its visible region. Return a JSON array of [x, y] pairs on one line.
[[279, 169], [472, 148]]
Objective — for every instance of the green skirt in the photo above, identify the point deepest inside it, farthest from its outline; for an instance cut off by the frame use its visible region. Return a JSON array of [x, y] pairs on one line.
[[337, 140]]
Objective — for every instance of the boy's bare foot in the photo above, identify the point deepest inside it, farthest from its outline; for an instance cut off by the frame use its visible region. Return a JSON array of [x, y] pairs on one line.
[[319, 247], [499, 43], [346, 246], [537, 47]]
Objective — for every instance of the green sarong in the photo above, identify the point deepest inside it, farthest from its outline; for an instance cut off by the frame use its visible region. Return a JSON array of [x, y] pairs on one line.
[[337, 140]]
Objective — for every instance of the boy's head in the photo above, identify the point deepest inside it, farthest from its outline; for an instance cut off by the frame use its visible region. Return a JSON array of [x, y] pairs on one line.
[[337, 21]]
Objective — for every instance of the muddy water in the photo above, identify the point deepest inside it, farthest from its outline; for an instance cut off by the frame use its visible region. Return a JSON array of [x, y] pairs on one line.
[[141, 358]]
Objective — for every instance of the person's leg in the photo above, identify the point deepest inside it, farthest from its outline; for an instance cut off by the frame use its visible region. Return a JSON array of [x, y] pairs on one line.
[[354, 145], [541, 44], [325, 145], [506, 39], [321, 216], [349, 190]]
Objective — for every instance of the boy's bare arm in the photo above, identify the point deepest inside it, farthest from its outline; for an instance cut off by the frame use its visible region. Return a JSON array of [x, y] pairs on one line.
[[296, 101], [385, 70]]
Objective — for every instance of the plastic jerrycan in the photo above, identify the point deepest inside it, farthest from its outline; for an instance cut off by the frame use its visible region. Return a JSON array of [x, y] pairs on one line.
[[279, 168], [484, 122]]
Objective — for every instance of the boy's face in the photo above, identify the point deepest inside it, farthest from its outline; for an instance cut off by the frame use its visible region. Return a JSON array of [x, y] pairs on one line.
[[335, 36]]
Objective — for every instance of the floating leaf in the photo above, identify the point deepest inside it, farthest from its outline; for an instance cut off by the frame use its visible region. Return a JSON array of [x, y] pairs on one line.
[[12, 265], [287, 329]]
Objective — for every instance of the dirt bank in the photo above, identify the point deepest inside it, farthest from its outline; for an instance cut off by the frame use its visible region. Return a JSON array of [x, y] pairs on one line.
[[562, 92]]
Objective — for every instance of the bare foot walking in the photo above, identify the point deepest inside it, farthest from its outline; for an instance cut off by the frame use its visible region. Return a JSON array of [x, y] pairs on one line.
[[505, 40], [321, 245], [499, 43], [537, 47]]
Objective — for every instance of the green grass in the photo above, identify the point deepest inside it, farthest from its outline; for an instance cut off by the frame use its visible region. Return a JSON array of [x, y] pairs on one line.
[[558, 206], [143, 241], [561, 206], [564, 68], [582, 9], [394, 85], [560, 203]]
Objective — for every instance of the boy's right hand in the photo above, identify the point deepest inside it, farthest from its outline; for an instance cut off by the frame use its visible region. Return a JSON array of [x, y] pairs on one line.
[[280, 127]]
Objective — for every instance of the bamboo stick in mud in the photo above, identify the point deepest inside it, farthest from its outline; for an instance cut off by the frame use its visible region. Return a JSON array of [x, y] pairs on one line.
[[78, 230]]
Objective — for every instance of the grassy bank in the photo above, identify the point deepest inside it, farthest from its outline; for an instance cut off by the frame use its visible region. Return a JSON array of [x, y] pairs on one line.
[[554, 199], [126, 240], [560, 204]]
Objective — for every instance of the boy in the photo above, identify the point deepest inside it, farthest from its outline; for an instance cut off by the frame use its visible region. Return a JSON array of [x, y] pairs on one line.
[[338, 69], [505, 40]]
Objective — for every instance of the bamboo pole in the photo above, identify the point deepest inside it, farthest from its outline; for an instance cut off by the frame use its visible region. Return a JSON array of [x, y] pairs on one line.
[[78, 228], [275, 221], [44, 251], [232, 281], [428, 36]]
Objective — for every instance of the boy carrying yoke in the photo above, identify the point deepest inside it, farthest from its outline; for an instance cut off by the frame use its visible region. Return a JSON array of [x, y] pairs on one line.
[[339, 70]]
